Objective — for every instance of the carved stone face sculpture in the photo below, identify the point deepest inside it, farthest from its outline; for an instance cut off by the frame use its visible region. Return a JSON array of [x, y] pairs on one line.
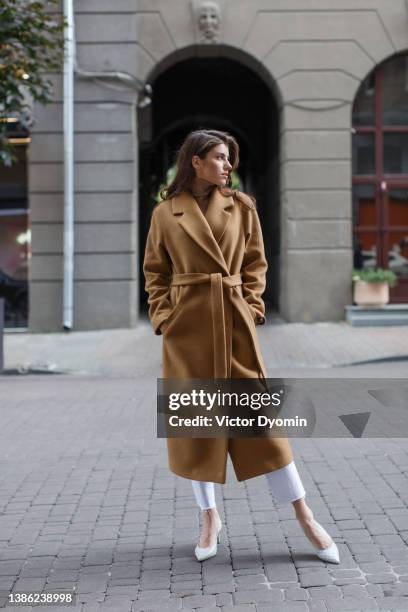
[[208, 17]]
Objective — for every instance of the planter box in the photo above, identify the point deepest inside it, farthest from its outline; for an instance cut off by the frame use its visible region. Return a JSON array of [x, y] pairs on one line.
[[371, 294]]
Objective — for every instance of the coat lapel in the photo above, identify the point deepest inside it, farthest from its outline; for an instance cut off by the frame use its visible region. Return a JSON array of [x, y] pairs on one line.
[[208, 230], [219, 213]]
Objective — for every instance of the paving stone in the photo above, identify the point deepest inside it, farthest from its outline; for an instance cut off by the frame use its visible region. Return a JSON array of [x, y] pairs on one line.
[[240, 608], [244, 571], [281, 572], [215, 588], [316, 605], [292, 606], [186, 584], [316, 578], [393, 604], [119, 604], [256, 581], [327, 592], [219, 574], [345, 581], [91, 597], [295, 594], [160, 583], [393, 540], [223, 599], [396, 589], [153, 595], [354, 590], [344, 513], [375, 567], [29, 584], [400, 522], [357, 535], [151, 607], [345, 573], [257, 596], [211, 609], [381, 578], [351, 603], [365, 553], [156, 563], [395, 555], [350, 524], [179, 577], [10, 568], [6, 582], [374, 590], [379, 526], [187, 592], [90, 607], [199, 601]]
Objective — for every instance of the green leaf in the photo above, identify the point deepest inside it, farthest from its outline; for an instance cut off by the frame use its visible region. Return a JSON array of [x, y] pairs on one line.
[[375, 275], [32, 42]]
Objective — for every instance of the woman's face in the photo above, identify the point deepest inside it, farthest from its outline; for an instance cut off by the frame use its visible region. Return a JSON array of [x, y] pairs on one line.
[[215, 167]]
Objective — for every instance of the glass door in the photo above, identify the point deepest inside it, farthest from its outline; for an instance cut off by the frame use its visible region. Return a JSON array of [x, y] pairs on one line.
[[394, 235]]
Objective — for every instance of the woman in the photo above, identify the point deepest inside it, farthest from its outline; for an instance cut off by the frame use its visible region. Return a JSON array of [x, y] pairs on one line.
[[205, 271]]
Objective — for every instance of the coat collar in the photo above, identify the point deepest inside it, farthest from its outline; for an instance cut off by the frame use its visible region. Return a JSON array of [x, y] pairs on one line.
[[207, 230]]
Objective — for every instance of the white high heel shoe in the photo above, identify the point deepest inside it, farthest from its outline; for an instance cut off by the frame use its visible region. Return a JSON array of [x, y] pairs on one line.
[[330, 554], [209, 551]]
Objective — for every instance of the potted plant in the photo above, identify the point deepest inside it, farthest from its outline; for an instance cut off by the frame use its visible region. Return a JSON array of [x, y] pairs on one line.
[[371, 286]]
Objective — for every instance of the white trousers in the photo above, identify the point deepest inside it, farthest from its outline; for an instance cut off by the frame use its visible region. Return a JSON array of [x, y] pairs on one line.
[[285, 485]]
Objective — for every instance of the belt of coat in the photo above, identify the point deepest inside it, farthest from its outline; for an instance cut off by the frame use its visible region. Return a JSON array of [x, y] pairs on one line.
[[217, 310]]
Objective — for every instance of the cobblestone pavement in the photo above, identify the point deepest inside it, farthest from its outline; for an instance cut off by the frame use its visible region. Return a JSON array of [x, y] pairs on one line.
[[87, 501]]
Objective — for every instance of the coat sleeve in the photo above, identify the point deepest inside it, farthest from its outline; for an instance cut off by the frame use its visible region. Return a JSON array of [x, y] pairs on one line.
[[157, 270], [254, 267]]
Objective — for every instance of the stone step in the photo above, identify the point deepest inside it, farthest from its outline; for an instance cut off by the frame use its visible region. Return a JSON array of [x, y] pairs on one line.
[[390, 314]]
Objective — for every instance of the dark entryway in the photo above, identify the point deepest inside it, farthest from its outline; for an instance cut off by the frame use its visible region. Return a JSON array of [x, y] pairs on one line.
[[219, 93]]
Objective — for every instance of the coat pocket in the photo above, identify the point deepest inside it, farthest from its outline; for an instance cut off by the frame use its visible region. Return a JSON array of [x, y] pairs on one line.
[[251, 312], [241, 296], [176, 300]]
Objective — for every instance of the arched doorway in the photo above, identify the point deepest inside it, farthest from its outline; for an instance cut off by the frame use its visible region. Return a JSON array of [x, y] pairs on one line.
[[222, 93], [380, 172]]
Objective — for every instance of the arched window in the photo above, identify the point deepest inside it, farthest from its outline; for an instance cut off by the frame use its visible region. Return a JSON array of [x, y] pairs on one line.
[[380, 172]]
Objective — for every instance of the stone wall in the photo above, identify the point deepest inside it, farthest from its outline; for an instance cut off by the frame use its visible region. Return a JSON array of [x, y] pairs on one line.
[[317, 52]]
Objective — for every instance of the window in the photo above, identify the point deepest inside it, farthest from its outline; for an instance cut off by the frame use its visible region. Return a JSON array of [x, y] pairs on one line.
[[15, 240], [380, 172]]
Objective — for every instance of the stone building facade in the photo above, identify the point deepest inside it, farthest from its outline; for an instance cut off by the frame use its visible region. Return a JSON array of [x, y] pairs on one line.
[[282, 75]]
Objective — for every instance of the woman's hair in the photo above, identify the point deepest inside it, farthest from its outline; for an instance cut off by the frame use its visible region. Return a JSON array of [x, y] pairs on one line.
[[199, 142]]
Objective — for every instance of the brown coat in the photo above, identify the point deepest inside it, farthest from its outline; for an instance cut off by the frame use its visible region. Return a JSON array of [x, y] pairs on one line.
[[205, 276]]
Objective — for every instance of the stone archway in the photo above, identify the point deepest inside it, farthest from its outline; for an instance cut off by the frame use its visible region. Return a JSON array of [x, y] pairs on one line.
[[230, 91]]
